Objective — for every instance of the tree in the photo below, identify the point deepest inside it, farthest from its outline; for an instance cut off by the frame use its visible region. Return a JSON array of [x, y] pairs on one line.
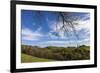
[[68, 23], [68, 20]]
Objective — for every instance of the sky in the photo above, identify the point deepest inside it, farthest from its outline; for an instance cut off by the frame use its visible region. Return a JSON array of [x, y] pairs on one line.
[[42, 28]]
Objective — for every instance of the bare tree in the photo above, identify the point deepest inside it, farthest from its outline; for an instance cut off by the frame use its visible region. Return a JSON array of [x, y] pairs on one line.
[[68, 22]]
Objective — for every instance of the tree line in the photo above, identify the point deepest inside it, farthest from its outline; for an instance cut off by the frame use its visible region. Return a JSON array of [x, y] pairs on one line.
[[58, 53]]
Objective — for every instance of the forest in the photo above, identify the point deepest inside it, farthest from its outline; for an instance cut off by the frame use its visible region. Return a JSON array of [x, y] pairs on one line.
[[53, 53]]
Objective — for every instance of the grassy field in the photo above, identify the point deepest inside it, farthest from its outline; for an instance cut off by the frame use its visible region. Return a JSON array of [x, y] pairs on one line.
[[27, 59]]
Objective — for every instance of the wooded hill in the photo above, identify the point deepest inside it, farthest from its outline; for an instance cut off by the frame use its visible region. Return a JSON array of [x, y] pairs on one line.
[[57, 53]]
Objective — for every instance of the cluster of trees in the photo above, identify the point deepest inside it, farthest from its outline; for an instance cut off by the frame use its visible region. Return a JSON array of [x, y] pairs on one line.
[[58, 53]]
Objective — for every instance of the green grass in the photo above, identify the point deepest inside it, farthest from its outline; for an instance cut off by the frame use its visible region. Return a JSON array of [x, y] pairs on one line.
[[27, 59]]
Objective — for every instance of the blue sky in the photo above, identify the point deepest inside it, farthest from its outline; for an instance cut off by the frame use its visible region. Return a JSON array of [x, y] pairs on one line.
[[38, 28]]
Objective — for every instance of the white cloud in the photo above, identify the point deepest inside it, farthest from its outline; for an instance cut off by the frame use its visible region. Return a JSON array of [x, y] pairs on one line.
[[38, 30], [63, 43], [86, 16], [55, 27], [83, 24], [66, 41], [56, 42], [28, 34], [53, 43], [52, 35]]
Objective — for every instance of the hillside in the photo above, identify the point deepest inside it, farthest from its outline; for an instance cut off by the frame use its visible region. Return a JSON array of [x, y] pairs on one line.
[[28, 58], [51, 53]]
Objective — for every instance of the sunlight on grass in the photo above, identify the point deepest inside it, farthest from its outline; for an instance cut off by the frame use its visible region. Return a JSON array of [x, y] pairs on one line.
[[27, 58]]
